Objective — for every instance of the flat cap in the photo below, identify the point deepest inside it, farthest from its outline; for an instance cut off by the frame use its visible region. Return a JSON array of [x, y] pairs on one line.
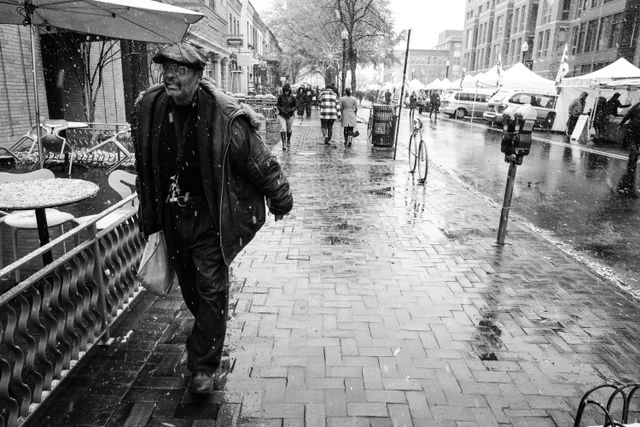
[[181, 53]]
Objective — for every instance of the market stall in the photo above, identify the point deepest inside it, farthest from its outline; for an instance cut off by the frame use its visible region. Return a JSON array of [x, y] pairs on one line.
[[596, 84]]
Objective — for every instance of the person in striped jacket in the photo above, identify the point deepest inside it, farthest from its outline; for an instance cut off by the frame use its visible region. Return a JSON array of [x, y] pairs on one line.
[[329, 111]]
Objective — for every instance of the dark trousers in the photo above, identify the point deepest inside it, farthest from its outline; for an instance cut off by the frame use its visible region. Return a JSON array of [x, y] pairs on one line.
[[194, 247], [571, 124], [348, 130], [435, 108], [327, 127]]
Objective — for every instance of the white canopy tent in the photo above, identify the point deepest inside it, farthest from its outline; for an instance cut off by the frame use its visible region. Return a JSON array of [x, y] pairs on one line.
[[520, 77], [445, 84], [489, 79], [468, 81], [433, 85], [415, 85], [596, 84]]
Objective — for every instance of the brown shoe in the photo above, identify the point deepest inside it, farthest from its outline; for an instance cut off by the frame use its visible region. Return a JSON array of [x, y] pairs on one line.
[[201, 383]]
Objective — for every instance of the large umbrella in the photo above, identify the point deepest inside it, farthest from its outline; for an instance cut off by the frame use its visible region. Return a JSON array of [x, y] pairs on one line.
[[143, 20]]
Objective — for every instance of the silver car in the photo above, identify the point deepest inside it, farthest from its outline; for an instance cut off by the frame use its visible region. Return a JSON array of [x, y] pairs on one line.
[[544, 104], [465, 103]]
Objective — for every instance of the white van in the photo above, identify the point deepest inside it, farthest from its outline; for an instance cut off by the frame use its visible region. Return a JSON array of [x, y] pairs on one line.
[[466, 102]]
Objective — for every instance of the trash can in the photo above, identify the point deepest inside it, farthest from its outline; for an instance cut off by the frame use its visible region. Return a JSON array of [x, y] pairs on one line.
[[383, 126]]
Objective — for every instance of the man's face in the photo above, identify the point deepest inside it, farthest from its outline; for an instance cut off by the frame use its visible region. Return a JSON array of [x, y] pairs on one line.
[[180, 82]]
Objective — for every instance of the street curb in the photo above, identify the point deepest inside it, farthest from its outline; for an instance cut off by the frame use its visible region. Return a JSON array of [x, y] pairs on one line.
[[602, 271]]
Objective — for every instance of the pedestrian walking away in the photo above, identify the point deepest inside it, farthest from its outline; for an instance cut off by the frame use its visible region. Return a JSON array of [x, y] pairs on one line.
[[349, 110], [413, 103], [434, 100], [301, 100], [286, 108], [576, 108], [310, 96], [203, 177], [329, 112]]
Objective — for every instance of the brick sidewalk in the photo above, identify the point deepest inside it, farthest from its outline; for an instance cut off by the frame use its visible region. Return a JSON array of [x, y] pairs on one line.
[[377, 302]]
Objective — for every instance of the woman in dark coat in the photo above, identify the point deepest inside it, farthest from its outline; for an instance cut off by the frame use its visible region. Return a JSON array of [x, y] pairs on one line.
[[286, 108], [301, 98]]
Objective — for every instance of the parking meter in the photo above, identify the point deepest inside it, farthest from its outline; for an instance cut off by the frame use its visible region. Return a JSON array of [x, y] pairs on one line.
[[516, 143], [526, 115], [517, 126]]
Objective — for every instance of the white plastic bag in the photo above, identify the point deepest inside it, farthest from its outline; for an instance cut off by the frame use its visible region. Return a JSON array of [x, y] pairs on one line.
[[155, 272]]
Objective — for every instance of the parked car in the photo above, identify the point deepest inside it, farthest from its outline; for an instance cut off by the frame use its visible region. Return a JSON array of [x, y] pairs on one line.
[[544, 104], [466, 102]]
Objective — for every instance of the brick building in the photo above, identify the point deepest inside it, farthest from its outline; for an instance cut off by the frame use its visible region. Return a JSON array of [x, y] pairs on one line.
[[243, 56], [535, 31], [426, 65]]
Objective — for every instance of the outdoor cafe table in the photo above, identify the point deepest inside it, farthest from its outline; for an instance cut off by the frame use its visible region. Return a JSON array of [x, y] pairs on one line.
[[39, 194]]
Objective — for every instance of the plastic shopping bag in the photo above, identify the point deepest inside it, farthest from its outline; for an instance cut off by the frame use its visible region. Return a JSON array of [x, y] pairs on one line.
[[155, 272]]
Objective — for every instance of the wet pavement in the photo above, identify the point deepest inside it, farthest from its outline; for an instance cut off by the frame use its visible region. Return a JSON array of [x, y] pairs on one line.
[[376, 302], [567, 190]]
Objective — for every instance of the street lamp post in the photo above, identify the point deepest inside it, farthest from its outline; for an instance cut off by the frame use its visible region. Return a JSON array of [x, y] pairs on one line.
[[344, 35], [448, 64]]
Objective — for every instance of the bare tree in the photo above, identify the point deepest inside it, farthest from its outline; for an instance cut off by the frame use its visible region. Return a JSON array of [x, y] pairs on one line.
[[370, 37], [90, 56], [309, 33]]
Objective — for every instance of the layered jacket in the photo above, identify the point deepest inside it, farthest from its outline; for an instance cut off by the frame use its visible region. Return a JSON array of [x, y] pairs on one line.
[[329, 105], [238, 170], [286, 105]]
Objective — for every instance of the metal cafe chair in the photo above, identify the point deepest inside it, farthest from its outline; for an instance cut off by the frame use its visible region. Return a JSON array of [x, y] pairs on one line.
[[123, 153], [26, 220], [52, 137], [124, 184]]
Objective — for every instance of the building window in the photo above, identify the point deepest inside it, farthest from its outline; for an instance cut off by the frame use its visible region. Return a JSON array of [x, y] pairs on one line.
[[581, 32], [547, 10], [516, 17], [540, 40], [499, 27], [574, 40], [604, 33], [512, 51], [566, 10], [592, 31], [523, 15], [547, 36], [616, 27]]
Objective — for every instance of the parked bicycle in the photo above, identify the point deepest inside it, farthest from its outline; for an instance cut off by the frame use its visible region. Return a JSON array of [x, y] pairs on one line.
[[418, 154]]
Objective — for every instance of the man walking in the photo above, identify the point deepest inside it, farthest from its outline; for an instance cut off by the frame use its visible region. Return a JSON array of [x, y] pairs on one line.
[[576, 108], [435, 103], [329, 112], [203, 176]]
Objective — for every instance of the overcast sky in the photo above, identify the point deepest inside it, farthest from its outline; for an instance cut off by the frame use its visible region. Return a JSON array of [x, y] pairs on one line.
[[426, 18]]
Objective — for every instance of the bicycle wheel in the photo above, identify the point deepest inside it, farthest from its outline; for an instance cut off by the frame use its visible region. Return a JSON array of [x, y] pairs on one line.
[[423, 162], [413, 152]]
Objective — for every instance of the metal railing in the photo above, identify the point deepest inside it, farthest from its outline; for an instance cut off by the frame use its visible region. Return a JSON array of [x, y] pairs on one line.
[[52, 318]]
